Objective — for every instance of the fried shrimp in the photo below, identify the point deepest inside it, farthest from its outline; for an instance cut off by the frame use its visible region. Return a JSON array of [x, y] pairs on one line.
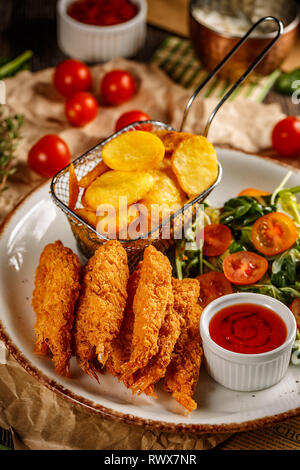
[[101, 306], [54, 297], [148, 376], [149, 307], [183, 371], [121, 346]]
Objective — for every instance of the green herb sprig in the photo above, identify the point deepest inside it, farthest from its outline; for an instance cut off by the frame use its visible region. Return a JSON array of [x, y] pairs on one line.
[[9, 138]]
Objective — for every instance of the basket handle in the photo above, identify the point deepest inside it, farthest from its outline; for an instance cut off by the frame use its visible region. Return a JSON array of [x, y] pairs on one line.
[[241, 79]]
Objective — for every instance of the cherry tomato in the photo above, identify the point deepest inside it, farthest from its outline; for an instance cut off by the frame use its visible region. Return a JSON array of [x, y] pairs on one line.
[[217, 238], [244, 267], [295, 307], [81, 108], [286, 137], [253, 192], [212, 286], [274, 233], [133, 116], [117, 87], [71, 76], [49, 155]]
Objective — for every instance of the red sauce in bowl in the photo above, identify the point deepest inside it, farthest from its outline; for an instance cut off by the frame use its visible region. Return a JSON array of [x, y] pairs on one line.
[[247, 329], [102, 12]]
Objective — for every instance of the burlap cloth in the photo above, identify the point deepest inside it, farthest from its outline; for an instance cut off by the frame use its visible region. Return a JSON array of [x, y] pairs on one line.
[[39, 418]]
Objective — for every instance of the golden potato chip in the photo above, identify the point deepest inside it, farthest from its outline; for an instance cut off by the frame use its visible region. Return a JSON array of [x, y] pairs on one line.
[[99, 169], [195, 164], [113, 185], [165, 198], [73, 187], [88, 215], [133, 151], [172, 139]]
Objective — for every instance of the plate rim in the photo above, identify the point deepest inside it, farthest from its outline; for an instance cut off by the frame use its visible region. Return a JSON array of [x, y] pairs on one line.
[[109, 413]]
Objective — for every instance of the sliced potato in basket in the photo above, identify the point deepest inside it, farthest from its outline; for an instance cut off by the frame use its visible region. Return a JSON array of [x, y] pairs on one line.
[[133, 151], [98, 170], [113, 185], [195, 164], [172, 139], [73, 187], [88, 215], [165, 191]]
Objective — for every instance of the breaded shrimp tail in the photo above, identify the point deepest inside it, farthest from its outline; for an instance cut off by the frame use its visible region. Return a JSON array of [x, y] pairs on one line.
[[150, 307], [149, 375], [54, 297], [121, 346], [183, 371], [101, 306]]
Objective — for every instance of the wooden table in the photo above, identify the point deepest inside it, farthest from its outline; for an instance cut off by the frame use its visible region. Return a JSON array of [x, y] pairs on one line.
[[31, 24]]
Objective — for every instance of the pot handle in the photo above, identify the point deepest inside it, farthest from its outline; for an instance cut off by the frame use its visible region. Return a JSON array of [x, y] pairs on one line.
[[240, 80]]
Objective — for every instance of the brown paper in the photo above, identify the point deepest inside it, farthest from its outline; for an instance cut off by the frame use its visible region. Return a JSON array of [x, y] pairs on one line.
[[39, 418]]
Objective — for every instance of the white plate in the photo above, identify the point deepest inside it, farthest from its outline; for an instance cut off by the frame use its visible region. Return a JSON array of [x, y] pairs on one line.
[[37, 222]]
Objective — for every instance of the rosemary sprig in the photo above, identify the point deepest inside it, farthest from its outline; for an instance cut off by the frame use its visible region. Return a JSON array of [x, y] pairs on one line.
[[9, 138]]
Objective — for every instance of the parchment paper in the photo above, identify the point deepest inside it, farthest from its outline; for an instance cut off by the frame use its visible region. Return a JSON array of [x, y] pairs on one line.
[[39, 418]]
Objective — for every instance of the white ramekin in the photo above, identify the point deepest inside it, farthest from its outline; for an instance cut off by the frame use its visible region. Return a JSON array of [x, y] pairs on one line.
[[247, 372], [100, 43]]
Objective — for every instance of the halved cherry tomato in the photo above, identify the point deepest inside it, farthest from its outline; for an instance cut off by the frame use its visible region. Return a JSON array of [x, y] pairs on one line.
[[134, 116], [71, 76], [253, 192], [217, 238], [212, 286], [117, 87], [81, 108], [286, 137], [274, 233], [295, 307], [244, 267], [49, 155]]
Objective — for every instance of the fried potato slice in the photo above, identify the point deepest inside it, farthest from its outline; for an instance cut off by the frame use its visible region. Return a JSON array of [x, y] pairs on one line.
[[165, 197], [172, 139], [87, 179], [113, 185], [88, 215], [133, 151], [73, 187], [195, 164]]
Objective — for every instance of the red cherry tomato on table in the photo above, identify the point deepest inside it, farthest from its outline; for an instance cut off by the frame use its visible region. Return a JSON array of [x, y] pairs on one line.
[[212, 286], [217, 238], [133, 116], [295, 307], [117, 87], [71, 76], [49, 155], [286, 137], [81, 108], [274, 233], [244, 267]]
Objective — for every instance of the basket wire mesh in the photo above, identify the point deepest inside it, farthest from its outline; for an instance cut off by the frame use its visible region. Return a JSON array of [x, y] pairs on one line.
[[88, 239]]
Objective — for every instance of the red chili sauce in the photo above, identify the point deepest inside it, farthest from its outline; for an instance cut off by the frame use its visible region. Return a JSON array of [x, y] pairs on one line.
[[247, 329], [102, 12]]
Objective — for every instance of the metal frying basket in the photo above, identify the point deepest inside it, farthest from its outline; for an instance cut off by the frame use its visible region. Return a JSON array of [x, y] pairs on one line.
[[88, 239]]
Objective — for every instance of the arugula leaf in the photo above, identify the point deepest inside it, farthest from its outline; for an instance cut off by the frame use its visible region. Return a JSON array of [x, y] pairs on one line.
[[243, 211], [284, 294]]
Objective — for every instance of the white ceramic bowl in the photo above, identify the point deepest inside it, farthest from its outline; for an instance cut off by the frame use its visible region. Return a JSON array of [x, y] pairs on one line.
[[247, 372], [100, 43]]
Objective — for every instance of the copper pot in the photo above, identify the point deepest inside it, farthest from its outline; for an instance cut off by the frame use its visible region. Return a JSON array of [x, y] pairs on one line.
[[212, 46]]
